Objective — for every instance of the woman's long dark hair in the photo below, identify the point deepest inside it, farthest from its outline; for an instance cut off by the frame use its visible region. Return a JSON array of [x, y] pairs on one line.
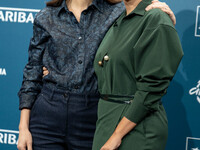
[[56, 3]]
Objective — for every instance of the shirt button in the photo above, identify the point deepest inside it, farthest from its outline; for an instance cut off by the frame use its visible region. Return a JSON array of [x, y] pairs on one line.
[[106, 58], [80, 62], [79, 37], [84, 12], [65, 95], [76, 87], [100, 63], [115, 24]]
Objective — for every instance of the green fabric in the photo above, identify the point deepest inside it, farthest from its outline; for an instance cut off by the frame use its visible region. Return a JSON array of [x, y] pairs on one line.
[[149, 134], [144, 52], [109, 115]]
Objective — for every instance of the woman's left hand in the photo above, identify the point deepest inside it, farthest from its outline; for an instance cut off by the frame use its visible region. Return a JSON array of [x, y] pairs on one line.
[[113, 143], [164, 7]]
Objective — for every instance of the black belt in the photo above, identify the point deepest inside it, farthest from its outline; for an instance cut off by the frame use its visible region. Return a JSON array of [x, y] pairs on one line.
[[112, 98]]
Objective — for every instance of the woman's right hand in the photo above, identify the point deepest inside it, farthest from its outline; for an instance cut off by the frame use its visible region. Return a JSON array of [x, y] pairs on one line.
[[25, 137], [25, 140], [45, 71]]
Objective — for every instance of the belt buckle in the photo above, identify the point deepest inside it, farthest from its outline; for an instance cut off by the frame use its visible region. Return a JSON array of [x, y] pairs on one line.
[[128, 102]]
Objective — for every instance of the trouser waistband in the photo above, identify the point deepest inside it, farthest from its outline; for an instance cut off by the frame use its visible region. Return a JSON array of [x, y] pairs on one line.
[[57, 90], [54, 92]]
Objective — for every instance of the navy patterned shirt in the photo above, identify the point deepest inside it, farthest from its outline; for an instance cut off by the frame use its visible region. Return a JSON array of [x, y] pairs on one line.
[[66, 48]]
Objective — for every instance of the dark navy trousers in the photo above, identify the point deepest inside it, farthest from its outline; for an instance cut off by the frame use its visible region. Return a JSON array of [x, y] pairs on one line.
[[61, 120]]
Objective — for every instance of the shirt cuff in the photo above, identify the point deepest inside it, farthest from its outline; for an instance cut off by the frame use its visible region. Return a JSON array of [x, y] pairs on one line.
[[143, 104], [137, 110], [26, 101]]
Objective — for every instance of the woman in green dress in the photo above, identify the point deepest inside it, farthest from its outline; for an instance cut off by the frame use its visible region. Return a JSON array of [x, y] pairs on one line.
[[134, 64]]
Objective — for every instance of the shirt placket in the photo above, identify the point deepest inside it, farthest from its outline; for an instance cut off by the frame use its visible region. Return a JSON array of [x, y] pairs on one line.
[[81, 50]]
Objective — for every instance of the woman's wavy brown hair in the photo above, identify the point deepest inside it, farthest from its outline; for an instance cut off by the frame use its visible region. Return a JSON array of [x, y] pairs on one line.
[[56, 3]]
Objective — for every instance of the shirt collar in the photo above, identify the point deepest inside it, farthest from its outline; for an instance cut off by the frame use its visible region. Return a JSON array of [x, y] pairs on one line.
[[96, 3], [61, 7], [140, 9]]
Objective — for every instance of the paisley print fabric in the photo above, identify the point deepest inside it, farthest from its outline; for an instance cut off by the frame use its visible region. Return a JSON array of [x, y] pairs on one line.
[[66, 48]]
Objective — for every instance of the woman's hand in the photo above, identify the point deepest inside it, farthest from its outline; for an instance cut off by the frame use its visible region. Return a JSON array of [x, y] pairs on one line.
[[25, 137], [164, 7], [113, 142], [124, 127], [25, 140], [45, 71]]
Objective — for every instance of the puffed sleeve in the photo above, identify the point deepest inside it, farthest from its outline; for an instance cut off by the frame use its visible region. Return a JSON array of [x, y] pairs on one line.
[[32, 74], [156, 57]]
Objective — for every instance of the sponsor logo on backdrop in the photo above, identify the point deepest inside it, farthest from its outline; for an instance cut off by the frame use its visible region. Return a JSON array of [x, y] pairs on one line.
[[196, 91], [197, 26], [192, 143], [9, 137], [17, 15], [2, 72]]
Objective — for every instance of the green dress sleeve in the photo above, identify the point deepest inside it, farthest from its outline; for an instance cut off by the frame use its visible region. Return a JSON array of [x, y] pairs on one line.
[[156, 57]]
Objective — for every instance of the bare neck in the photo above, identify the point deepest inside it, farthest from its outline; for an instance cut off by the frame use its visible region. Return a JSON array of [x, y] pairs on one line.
[[131, 5], [77, 6]]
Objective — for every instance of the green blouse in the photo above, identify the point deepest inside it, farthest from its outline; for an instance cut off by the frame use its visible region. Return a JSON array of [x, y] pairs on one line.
[[139, 56]]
